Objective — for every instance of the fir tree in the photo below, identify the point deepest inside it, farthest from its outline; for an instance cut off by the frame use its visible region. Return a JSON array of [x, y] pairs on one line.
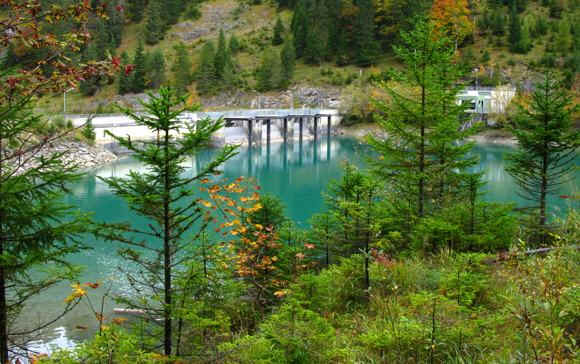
[[163, 195], [299, 28], [221, 56], [288, 62], [498, 22], [515, 36], [547, 147], [154, 26], [206, 73], [366, 45], [138, 83], [268, 73], [421, 159], [125, 85], [136, 9], [89, 86], [278, 36], [182, 69], [156, 69], [234, 45], [38, 229]]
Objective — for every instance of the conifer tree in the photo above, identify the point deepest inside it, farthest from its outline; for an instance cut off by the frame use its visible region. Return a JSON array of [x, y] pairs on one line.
[[299, 28], [515, 36], [138, 82], [163, 195], [221, 56], [90, 86], [498, 22], [420, 157], [288, 62], [547, 144], [124, 77], [136, 10], [182, 69], [268, 73], [38, 229], [234, 45], [156, 69], [278, 37], [366, 45], [206, 73], [155, 25]]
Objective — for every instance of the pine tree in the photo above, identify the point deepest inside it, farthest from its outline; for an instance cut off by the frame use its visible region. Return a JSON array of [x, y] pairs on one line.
[[498, 22], [206, 74], [234, 45], [164, 196], [547, 143], [288, 62], [136, 9], [268, 74], [366, 45], [515, 36], [278, 36], [221, 56], [90, 86], [38, 229], [174, 10], [138, 83], [125, 85], [155, 25], [157, 69], [182, 69], [299, 28], [314, 51], [421, 159]]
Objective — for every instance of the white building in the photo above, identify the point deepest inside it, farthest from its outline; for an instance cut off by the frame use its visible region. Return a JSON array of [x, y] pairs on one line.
[[487, 100]]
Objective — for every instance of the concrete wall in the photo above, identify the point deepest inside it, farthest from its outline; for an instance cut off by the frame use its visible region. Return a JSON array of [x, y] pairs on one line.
[[122, 125]]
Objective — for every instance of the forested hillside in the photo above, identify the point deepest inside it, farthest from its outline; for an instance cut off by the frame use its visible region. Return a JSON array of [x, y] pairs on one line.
[[205, 48]]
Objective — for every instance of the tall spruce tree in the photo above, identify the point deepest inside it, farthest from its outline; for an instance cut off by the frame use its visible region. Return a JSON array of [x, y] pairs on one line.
[[299, 28], [155, 25], [366, 46], [206, 73], [547, 147], [182, 69], [278, 35], [515, 36], [37, 228], [138, 82], [288, 62], [136, 9], [156, 69], [124, 76], [421, 159], [164, 196], [268, 74], [221, 56], [234, 45]]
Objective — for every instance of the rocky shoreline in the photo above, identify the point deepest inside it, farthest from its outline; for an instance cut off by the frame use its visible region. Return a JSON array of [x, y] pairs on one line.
[[485, 137], [75, 152]]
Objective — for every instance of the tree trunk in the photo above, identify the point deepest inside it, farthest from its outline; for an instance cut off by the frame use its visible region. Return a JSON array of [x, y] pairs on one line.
[[167, 251], [422, 155], [3, 304]]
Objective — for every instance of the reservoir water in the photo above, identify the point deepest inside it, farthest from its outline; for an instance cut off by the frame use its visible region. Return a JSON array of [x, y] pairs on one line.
[[297, 173]]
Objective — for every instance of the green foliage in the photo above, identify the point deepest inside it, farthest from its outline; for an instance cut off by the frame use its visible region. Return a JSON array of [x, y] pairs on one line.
[[268, 74], [124, 76], [136, 8], [547, 147], [159, 194], [38, 229], [288, 62], [88, 131], [113, 345], [279, 30], [156, 69], [154, 26], [206, 73], [252, 350], [182, 69], [138, 81], [271, 214]]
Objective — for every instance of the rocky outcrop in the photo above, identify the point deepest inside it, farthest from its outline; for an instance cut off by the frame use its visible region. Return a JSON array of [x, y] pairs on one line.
[[75, 152]]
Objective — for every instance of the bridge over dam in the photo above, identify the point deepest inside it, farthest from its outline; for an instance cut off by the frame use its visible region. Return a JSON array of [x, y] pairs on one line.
[[249, 127]]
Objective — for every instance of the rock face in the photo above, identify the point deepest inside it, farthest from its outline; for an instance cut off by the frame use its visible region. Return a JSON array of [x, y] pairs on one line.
[[81, 154], [298, 96]]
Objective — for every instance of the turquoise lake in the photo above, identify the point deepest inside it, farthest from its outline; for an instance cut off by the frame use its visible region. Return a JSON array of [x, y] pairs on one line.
[[297, 173]]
